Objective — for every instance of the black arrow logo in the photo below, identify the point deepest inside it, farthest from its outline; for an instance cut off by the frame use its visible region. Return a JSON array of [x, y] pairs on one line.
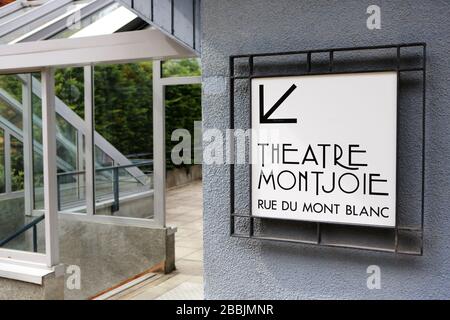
[[264, 118]]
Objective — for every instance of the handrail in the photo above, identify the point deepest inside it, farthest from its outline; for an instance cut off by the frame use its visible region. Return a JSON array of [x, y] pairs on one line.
[[32, 224], [146, 163], [62, 174], [115, 181]]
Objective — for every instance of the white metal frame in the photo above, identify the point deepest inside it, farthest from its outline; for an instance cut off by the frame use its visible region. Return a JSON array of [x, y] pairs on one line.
[[43, 57], [27, 129], [50, 168], [115, 48], [159, 143], [159, 152], [159, 146], [89, 139]]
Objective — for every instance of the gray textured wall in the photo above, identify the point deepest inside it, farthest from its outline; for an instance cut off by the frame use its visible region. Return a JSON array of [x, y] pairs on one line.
[[237, 268]]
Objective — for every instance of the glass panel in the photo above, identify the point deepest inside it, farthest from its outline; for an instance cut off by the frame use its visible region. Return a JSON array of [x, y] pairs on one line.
[[69, 90], [49, 17], [123, 116], [66, 145], [38, 166], [181, 68], [16, 165], [183, 109], [103, 178], [17, 221], [11, 100], [90, 20]]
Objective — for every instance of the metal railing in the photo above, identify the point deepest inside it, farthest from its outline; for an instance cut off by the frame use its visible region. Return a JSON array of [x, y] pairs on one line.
[[114, 207], [32, 224], [115, 180]]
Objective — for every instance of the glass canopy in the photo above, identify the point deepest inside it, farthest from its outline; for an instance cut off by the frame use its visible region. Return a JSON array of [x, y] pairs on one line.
[[23, 22]]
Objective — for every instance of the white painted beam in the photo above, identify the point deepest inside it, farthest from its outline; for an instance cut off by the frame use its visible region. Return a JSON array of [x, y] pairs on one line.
[[27, 125], [114, 48], [159, 147], [89, 139], [177, 81], [50, 168]]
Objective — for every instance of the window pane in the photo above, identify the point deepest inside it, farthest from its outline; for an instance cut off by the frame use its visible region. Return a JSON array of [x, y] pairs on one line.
[[105, 21], [11, 100], [123, 117], [183, 109], [38, 166], [14, 215], [69, 90], [16, 164]]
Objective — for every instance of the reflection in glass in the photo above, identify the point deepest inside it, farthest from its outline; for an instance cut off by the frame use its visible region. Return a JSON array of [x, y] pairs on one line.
[[11, 100], [13, 214], [123, 116], [24, 30], [183, 109], [17, 174], [87, 21], [69, 90]]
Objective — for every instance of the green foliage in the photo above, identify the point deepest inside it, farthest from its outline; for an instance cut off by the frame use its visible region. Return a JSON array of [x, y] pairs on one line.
[[69, 87], [123, 106], [181, 68], [17, 173], [123, 100], [12, 85], [183, 108]]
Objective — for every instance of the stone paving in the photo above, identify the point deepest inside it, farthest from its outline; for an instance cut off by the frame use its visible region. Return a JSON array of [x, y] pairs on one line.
[[184, 210]]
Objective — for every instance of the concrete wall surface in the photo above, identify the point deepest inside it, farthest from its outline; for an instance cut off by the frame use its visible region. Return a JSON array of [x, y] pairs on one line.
[[109, 254], [245, 269], [52, 288], [181, 176]]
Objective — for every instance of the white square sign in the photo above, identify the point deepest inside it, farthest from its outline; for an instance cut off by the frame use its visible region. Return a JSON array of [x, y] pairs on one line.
[[324, 148]]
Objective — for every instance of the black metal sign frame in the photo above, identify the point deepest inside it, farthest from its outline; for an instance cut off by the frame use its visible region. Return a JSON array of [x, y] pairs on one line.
[[398, 61]]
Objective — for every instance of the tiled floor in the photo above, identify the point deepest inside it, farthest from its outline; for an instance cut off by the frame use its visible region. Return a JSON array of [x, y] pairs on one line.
[[184, 211]]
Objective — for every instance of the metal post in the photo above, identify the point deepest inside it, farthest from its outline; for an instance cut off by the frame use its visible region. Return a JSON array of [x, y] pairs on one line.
[[115, 206], [159, 146], [58, 187], [28, 143], [35, 245], [50, 169], [89, 139], [80, 165]]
